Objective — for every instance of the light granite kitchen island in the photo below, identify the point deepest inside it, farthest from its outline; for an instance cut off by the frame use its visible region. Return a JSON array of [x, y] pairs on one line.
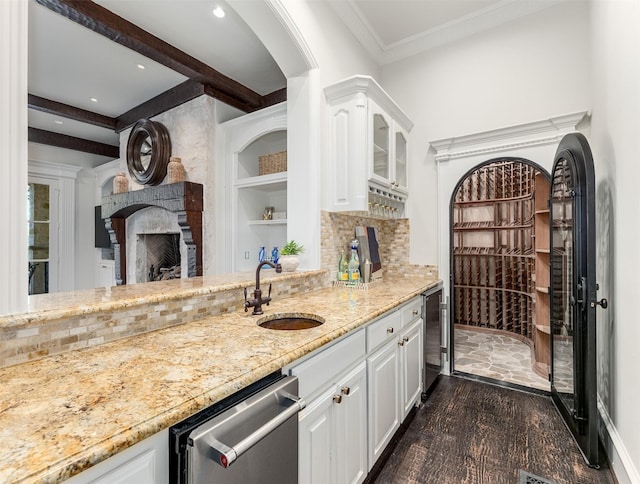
[[64, 413]]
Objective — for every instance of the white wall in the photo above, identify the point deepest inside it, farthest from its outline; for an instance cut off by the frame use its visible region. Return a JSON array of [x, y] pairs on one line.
[[528, 70], [615, 143]]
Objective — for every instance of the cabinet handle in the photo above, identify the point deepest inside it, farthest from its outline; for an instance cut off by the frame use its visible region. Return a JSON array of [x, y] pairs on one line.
[[345, 390], [405, 339], [401, 343], [415, 312], [337, 398], [390, 329]]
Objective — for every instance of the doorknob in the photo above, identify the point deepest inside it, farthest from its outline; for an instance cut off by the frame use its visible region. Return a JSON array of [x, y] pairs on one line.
[[602, 303]]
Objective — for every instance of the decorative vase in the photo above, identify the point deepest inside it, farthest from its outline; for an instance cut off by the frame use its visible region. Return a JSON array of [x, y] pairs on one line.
[[289, 263], [175, 170], [120, 183]]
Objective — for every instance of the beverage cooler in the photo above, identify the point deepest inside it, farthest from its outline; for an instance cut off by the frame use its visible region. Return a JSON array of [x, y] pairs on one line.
[[432, 339]]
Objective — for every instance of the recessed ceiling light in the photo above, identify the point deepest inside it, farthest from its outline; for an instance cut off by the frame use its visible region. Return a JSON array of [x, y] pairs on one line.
[[57, 121], [140, 66], [218, 12], [93, 99]]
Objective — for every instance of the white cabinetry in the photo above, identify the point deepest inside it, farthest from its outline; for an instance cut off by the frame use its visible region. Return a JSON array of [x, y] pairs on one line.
[[358, 392], [333, 426], [245, 139], [368, 147], [147, 462], [394, 371], [333, 433]]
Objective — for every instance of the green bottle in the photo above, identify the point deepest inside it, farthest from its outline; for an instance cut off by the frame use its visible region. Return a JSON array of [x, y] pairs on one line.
[[343, 268]]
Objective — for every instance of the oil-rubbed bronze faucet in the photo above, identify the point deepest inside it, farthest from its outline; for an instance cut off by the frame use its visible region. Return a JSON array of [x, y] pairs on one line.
[[257, 301]]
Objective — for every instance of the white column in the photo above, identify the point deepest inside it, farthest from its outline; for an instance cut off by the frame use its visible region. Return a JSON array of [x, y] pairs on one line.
[[13, 155]]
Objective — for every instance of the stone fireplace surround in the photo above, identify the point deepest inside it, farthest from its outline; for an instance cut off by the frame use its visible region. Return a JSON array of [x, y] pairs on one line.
[[185, 199]]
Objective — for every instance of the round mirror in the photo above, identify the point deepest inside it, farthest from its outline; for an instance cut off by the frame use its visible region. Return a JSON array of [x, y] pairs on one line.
[[148, 152]]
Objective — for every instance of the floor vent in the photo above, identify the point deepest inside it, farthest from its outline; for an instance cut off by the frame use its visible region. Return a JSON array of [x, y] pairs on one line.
[[528, 478]]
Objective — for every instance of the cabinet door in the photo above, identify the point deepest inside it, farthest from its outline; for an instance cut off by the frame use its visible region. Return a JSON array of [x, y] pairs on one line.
[[351, 427], [380, 161], [411, 365], [315, 432], [382, 376], [400, 176]]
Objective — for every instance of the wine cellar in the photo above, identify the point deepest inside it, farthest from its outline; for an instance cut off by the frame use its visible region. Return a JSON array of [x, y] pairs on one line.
[[500, 256]]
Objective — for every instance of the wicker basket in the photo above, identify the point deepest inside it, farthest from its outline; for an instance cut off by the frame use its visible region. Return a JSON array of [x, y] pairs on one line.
[[272, 163]]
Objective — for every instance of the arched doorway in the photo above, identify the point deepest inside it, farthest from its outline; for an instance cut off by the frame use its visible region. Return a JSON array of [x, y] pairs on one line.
[[499, 270]]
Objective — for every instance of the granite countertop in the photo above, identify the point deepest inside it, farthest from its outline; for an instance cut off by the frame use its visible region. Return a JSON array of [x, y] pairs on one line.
[[64, 413]]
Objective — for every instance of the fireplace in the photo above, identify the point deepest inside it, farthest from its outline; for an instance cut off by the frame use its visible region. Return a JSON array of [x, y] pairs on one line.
[[181, 202], [158, 257]]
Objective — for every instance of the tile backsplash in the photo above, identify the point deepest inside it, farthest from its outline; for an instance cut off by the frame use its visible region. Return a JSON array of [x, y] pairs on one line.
[[338, 230]]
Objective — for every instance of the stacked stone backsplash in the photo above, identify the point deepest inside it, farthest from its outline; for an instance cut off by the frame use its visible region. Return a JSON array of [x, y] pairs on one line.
[[338, 230], [33, 336]]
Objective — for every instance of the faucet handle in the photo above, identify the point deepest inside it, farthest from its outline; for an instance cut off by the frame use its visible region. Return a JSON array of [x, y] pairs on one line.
[[269, 294], [246, 307]]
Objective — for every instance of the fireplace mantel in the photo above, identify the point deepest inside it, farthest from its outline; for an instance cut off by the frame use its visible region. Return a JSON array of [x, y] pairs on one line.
[[185, 199]]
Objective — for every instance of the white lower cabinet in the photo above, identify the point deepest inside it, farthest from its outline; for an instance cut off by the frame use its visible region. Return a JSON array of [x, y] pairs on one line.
[[351, 427], [146, 462], [357, 397], [383, 372], [411, 364]]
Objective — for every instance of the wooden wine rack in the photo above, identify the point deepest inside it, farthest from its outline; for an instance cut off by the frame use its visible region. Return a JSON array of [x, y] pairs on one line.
[[500, 267]]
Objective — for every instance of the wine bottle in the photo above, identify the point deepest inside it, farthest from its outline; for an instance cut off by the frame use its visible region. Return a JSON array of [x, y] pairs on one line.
[[343, 268]]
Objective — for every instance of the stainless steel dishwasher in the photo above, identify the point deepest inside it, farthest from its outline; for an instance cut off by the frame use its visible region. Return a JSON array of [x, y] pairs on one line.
[[253, 440]]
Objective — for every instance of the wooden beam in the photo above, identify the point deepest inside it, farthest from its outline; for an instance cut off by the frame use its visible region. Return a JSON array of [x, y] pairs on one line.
[[70, 112], [171, 98], [72, 143], [106, 23], [274, 97]]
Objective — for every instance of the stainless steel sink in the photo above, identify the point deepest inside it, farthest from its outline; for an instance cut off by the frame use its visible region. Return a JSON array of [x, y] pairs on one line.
[[290, 321]]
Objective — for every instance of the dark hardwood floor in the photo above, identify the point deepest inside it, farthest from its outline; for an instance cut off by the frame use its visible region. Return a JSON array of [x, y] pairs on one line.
[[473, 432]]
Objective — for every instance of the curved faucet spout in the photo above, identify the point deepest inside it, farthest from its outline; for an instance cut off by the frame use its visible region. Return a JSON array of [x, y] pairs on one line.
[[258, 300], [277, 267]]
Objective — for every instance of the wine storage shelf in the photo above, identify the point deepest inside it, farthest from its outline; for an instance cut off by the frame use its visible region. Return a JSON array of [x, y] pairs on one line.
[[501, 253]]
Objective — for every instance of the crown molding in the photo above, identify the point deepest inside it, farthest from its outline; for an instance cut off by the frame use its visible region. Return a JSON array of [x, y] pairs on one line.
[[368, 86], [537, 133], [487, 18]]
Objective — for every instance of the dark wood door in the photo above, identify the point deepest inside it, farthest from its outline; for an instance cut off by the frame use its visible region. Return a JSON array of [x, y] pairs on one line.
[[573, 292]]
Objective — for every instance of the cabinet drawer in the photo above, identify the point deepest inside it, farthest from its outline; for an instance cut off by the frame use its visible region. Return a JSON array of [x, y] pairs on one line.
[[383, 329], [411, 311], [318, 370]]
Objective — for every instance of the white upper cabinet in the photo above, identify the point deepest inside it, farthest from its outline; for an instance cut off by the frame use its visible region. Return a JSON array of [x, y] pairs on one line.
[[368, 149]]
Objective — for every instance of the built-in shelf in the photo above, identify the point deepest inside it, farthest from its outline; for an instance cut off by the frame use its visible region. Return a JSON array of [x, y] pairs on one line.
[[280, 221], [544, 290], [542, 251], [275, 180], [543, 329], [542, 212]]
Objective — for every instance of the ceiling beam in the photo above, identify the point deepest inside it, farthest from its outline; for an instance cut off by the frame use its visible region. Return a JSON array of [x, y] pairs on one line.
[[72, 143], [70, 112], [104, 22], [171, 98]]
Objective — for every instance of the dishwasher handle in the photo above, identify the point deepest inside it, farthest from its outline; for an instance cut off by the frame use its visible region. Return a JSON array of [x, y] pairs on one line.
[[225, 455]]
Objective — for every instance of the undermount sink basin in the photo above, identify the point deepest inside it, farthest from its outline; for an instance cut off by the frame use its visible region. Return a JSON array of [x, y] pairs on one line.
[[290, 321]]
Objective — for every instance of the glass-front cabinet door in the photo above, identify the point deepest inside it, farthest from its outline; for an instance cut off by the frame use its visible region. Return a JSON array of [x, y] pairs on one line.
[[400, 178], [381, 145]]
